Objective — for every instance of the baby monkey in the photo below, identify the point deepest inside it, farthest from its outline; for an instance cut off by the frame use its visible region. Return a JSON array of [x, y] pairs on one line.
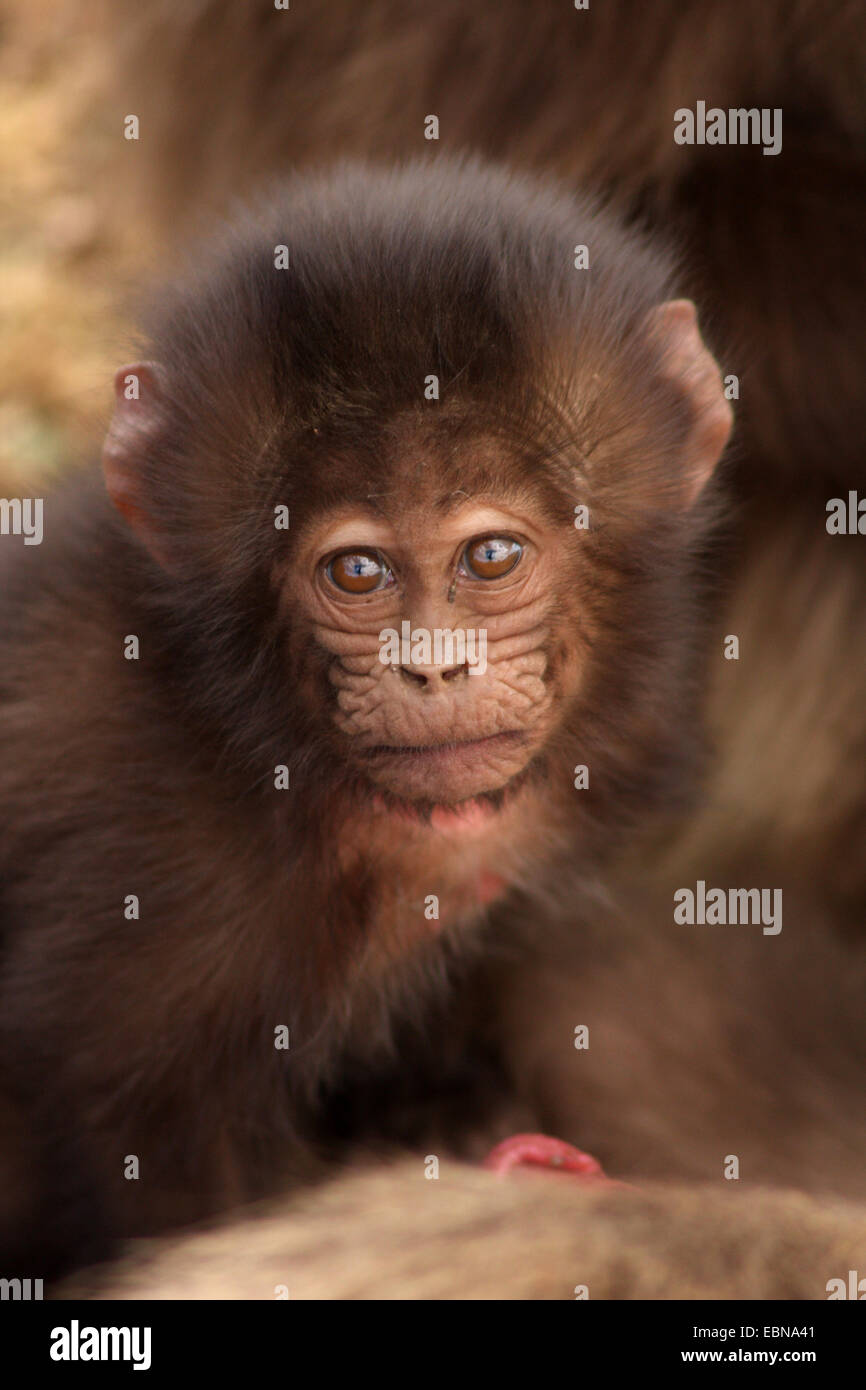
[[377, 637]]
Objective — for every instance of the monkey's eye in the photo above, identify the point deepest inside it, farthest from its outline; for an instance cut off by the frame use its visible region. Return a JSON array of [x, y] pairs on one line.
[[358, 571], [491, 557]]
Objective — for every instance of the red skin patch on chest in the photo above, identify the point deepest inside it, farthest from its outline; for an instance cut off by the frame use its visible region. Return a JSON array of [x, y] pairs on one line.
[[542, 1151], [470, 815]]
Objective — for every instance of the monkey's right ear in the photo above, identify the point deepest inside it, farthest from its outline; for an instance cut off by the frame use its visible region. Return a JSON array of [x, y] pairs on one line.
[[129, 445], [688, 366]]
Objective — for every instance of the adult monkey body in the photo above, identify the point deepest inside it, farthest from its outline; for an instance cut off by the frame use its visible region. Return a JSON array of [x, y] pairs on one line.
[[471, 1236], [262, 828]]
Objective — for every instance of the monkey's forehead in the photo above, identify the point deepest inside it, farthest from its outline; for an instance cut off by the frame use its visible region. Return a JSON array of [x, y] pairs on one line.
[[415, 473], [365, 283], [398, 521]]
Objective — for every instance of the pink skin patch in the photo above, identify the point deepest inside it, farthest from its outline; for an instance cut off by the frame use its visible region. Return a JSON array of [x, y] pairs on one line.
[[490, 887], [541, 1151], [469, 815]]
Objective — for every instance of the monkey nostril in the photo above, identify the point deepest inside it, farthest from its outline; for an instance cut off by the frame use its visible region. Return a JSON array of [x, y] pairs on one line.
[[413, 677], [433, 674]]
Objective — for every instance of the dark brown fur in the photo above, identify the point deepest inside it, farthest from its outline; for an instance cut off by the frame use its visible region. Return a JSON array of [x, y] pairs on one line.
[[227, 95], [773, 251], [154, 1037], [686, 1055]]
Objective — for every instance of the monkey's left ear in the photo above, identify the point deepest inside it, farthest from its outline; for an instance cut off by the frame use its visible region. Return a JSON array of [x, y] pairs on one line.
[[688, 365], [130, 444]]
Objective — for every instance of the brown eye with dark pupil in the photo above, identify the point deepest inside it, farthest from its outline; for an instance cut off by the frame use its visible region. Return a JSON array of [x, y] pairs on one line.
[[492, 557], [357, 571]]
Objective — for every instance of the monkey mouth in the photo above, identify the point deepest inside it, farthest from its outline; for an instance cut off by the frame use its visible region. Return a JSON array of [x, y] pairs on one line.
[[434, 779], [447, 749]]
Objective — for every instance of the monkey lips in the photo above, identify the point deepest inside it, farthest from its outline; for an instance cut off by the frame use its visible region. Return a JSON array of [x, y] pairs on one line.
[[448, 773]]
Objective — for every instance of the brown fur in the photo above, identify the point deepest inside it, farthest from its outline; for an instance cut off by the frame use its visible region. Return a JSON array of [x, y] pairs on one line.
[[775, 257], [228, 95], [700, 1038], [391, 1234], [704, 1041], [306, 908]]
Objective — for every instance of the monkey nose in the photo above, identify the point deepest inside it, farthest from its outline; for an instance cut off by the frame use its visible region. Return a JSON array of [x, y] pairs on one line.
[[432, 677]]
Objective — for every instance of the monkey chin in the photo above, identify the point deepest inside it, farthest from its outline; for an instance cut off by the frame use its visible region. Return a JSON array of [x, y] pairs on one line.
[[474, 814], [467, 817]]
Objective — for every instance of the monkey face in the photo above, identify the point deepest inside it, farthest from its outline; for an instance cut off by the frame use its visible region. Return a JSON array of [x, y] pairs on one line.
[[487, 462], [438, 616]]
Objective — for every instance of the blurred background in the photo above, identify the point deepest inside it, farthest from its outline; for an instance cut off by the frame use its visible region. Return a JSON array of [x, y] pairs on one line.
[[66, 264]]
